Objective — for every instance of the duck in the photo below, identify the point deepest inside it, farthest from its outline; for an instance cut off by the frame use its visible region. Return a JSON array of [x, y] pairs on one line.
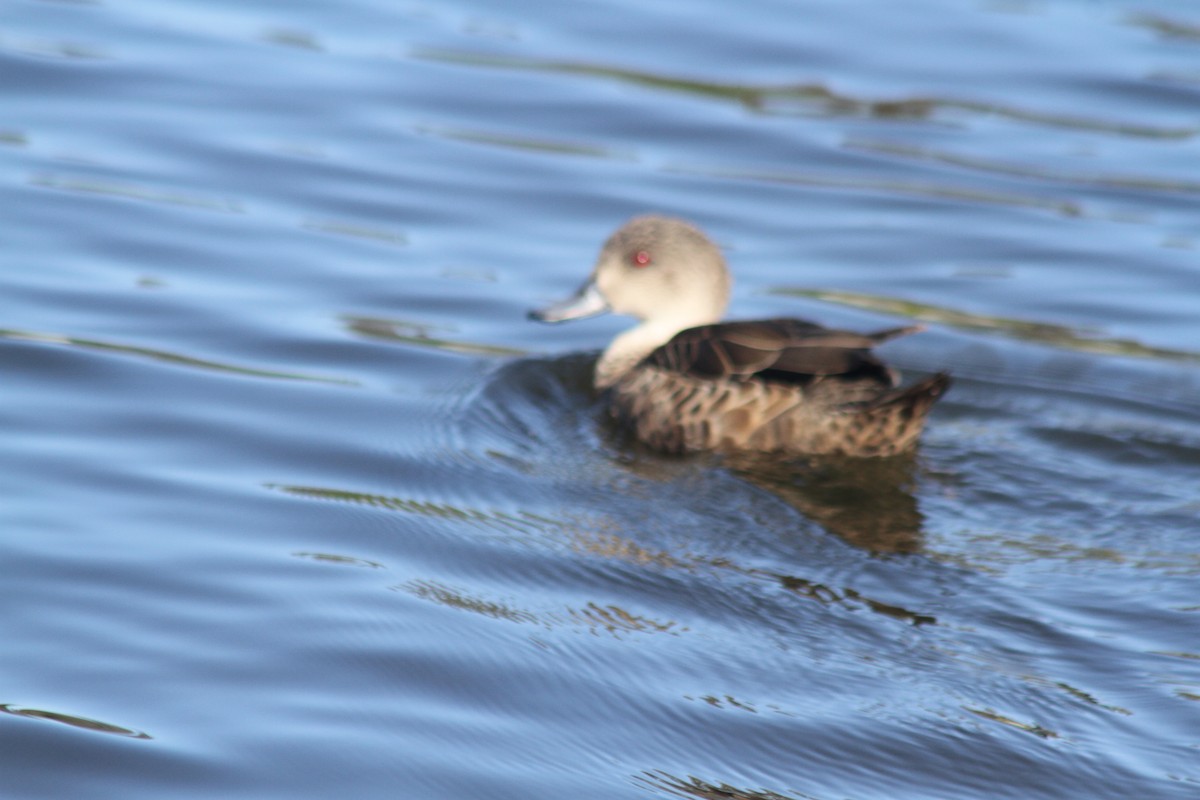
[[685, 382]]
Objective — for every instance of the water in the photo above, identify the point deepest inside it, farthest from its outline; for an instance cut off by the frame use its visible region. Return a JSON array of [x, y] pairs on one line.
[[297, 504]]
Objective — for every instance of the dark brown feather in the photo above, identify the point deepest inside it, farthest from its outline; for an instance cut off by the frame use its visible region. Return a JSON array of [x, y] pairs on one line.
[[780, 350]]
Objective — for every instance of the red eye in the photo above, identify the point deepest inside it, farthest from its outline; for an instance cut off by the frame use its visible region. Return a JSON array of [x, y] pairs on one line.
[[640, 259]]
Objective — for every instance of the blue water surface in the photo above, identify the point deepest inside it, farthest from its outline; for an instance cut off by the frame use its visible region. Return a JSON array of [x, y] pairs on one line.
[[297, 504]]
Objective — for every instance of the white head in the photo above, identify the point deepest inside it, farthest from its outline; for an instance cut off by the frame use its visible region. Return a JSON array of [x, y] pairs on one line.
[[663, 271]]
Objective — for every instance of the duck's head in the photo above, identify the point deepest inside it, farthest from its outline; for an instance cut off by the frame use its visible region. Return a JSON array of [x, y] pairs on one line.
[[663, 271]]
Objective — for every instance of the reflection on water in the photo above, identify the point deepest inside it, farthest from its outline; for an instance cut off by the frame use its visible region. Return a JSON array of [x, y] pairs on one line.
[[82, 723], [418, 507], [452, 598], [611, 619], [944, 191], [1045, 332], [421, 335], [1174, 28], [659, 781], [870, 503], [536, 145], [357, 230], [302, 40], [803, 98], [115, 189], [334, 558], [1041, 173], [1027, 727], [165, 357]]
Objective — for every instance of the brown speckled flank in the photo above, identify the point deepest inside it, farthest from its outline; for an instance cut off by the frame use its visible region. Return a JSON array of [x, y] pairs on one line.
[[685, 382]]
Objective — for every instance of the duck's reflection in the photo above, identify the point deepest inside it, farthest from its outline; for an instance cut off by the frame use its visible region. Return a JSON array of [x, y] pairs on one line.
[[868, 502]]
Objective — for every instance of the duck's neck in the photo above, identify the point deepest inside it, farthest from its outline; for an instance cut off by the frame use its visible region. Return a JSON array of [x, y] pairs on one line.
[[629, 348]]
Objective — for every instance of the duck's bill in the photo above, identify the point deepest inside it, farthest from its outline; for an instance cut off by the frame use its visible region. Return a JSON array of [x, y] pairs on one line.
[[587, 302]]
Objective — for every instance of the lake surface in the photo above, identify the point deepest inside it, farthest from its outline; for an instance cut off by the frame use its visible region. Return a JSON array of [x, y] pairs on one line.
[[297, 504]]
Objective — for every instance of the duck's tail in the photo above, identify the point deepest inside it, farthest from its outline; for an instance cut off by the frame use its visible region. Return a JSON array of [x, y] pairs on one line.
[[892, 423]]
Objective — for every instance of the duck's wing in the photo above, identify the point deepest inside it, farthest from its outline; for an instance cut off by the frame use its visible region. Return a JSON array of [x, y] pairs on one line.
[[786, 350]]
